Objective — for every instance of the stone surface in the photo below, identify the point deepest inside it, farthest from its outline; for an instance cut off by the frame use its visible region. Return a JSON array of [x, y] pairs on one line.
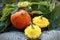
[[12, 36], [51, 35]]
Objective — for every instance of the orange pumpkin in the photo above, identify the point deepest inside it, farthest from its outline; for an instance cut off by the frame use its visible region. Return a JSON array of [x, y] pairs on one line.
[[21, 19]]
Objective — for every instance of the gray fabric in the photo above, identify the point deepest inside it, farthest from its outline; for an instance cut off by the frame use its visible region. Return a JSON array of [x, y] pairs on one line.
[[12, 36], [50, 35], [46, 35]]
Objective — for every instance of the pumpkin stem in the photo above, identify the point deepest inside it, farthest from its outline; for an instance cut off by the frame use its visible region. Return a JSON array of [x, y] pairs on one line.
[[22, 12]]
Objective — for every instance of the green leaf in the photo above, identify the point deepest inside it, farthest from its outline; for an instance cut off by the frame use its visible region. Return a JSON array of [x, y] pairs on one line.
[[2, 24], [9, 1], [6, 12], [1, 11], [52, 6], [55, 18], [34, 0], [5, 24]]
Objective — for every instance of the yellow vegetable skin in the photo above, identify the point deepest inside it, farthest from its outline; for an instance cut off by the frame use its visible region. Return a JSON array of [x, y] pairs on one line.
[[32, 33], [22, 4], [35, 12], [40, 21]]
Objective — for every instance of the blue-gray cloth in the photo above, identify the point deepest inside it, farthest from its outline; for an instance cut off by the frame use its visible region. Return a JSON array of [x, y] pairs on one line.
[[12, 36]]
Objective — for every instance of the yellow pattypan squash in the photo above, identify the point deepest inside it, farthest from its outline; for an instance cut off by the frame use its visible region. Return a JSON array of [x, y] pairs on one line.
[[41, 21], [32, 32], [22, 4]]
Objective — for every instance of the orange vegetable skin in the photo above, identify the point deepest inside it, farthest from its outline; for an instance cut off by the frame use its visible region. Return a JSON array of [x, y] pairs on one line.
[[21, 19]]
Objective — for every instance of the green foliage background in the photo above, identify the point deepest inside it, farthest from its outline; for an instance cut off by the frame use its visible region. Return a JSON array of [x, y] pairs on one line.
[[50, 10]]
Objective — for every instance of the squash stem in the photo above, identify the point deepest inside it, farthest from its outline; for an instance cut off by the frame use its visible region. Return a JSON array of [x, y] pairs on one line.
[[32, 25], [41, 16]]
